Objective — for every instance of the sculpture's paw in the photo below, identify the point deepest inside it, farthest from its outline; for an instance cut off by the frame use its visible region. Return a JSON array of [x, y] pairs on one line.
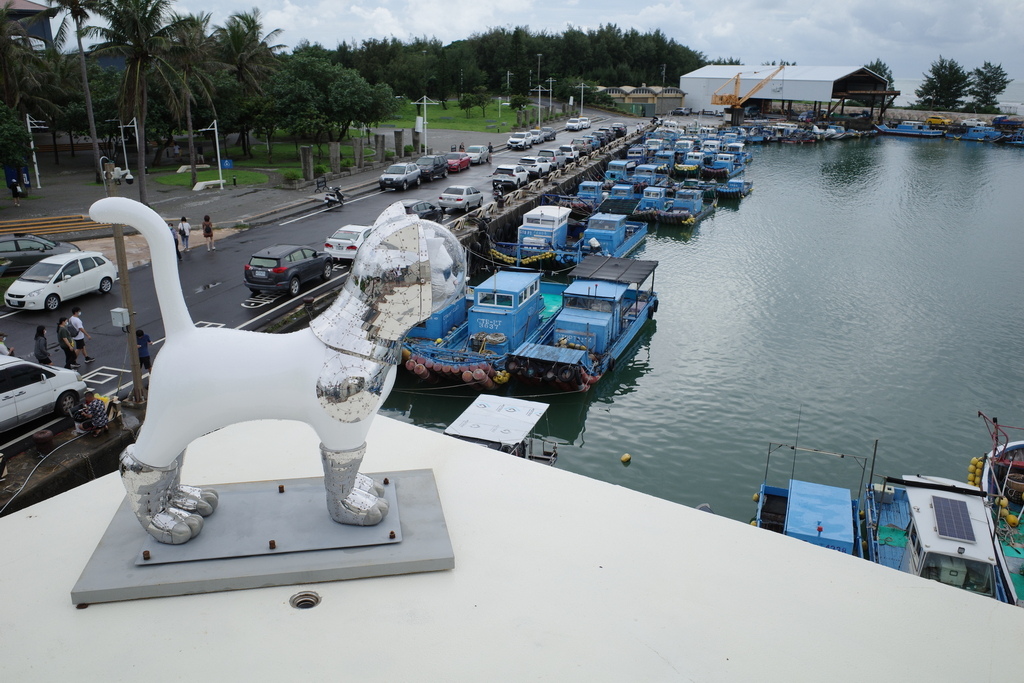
[[194, 499], [359, 508], [175, 526], [365, 483]]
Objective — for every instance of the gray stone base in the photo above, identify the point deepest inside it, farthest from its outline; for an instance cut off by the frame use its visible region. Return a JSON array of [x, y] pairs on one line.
[[234, 552]]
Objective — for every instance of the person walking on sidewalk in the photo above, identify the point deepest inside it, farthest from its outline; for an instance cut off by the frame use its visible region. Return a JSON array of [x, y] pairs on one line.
[[208, 234], [184, 229], [15, 192], [80, 334], [40, 352], [66, 338]]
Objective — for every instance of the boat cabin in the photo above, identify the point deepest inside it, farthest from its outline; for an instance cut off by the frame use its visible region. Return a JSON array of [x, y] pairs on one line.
[[665, 157], [505, 424], [819, 514], [620, 169], [636, 153], [505, 310], [591, 191], [610, 231], [654, 199], [545, 227]]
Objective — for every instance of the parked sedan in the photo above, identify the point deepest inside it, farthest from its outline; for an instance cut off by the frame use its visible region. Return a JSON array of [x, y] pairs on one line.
[[457, 161], [461, 197], [342, 245], [59, 278], [22, 250], [537, 135], [549, 133], [479, 154], [573, 124], [285, 268], [29, 390], [424, 209], [400, 177]]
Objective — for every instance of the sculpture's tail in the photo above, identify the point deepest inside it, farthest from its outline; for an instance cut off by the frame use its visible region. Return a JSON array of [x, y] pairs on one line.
[[161, 246]]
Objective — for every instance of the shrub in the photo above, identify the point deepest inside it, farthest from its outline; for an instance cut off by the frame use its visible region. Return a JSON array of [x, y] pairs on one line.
[[348, 163], [292, 174], [389, 154], [320, 169], [409, 150]]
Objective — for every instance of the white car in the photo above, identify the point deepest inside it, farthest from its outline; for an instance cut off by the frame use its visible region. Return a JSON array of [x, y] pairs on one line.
[[584, 122], [537, 167], [29, 390], [342, 245], [972, 123], [509, 177], [520, 140], [570, 152], [538, 135], [555, 156], [573, 124], [478, 154], [59, 278], [461, 197]]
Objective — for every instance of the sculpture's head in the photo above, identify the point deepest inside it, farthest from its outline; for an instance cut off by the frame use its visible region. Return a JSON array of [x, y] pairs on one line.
[[405, 270]]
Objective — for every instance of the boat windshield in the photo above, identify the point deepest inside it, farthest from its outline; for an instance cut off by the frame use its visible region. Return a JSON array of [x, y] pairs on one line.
[[587, 303], [971, 575], [41, 272]]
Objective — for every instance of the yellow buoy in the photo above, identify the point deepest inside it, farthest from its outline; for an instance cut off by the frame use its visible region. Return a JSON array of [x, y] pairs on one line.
[[626, 457], [1012, 520], [439, 341], [757, 497], [753, 522], [972, 469], [975, 461], [1003, 512]]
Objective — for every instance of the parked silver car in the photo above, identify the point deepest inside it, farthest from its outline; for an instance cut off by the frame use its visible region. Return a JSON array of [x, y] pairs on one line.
[[479, 154], [29, 390], [400, 177], [520, 140], [461, 198]]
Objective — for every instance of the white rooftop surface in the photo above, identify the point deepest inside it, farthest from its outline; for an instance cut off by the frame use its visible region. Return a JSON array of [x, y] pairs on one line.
[[557, 577]]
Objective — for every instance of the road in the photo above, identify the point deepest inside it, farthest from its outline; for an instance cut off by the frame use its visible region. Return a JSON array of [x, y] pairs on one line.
[[213, 289]]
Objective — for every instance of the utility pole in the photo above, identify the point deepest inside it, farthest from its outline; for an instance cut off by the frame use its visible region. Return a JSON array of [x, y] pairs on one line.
[[551, 90], [138, 391], [539, 55]]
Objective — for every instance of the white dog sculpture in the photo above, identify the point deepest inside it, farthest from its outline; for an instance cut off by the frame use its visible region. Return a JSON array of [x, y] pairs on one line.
[[333, 375]]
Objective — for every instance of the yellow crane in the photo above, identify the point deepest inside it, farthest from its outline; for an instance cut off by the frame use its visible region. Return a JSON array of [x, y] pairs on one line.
[[734, 99]]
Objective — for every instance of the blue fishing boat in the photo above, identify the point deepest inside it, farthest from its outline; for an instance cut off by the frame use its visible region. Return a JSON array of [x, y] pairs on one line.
[[975, 134], [932, 527], [677, 206], [722, 167], [1016, 139], [619, 170], [546, 238], [912, 129], [733, 188], [604, 308], [467, 342]]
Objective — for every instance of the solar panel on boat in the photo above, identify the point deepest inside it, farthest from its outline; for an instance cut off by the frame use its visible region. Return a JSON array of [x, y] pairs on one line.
[[952, 519]]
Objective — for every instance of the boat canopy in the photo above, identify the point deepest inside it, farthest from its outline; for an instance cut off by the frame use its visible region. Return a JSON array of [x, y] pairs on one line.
[[498, 419], [613, 269]]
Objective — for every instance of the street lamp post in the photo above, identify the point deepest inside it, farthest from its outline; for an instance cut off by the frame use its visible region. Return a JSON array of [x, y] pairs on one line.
[[34, 125], [551, 90], [582, 86], [539, 55], [138, 391]]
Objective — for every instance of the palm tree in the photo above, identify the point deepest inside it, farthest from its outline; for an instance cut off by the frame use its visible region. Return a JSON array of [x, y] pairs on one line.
[[193, 56], [20, 71], [137, 31], [248, 54], [78, 12]]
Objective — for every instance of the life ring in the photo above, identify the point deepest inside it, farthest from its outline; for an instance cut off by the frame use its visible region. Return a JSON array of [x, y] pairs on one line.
[[565, 373], [512, 365]]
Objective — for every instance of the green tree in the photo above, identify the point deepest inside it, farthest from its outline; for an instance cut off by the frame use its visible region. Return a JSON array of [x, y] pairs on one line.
[[20, 70], [78, 12], [880, 68], [14, 138], [944, 87], [138, 32], [251, 58], [192, 54], [987, 84]]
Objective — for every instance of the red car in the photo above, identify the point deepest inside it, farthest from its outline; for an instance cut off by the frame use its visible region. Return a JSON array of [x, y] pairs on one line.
[[457, 161]]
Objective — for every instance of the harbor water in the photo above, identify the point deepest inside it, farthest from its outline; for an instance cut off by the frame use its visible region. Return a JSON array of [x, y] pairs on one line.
[[867, 289]]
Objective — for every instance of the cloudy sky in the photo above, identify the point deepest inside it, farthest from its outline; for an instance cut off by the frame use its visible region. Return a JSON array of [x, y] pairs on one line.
[[907, 35]]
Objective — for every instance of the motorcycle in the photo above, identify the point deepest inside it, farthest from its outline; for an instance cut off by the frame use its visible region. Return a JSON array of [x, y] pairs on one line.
[[333, 197]]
